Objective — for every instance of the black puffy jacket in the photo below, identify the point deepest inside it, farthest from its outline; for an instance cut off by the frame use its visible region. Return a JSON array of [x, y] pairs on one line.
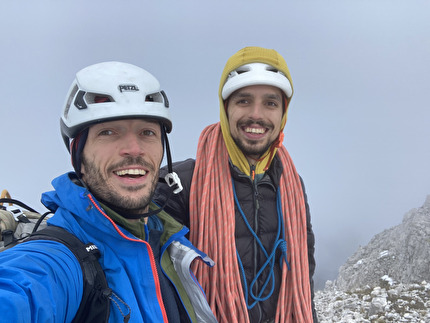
[[258, 202]]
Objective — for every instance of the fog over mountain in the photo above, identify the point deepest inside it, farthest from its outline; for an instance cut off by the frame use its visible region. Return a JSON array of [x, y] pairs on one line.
[[357, 126]]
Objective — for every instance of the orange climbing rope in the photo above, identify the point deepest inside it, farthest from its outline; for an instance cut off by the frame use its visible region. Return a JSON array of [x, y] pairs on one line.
[[212, 228]]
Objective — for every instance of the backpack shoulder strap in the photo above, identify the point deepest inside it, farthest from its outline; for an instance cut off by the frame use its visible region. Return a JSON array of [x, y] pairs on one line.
[[95, 303]]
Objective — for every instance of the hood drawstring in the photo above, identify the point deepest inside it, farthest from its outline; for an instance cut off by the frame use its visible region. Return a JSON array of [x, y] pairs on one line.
[[271, 152], [276, 144]]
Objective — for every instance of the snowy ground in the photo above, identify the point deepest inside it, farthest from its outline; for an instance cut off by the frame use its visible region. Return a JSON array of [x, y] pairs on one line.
[[389, 302]]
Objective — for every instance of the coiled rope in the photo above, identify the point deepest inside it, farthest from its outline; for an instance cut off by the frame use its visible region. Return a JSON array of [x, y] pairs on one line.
[[212, 229]]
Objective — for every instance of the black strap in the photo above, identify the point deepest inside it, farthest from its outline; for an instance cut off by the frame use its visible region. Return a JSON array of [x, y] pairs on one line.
[[95, 303], [13, 201]]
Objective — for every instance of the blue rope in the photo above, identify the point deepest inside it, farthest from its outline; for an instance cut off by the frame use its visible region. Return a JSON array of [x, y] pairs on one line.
[[270, 262], [283, 245]]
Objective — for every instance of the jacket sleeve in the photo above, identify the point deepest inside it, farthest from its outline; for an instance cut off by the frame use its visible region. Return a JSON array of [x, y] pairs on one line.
[[311, 250], [177, 205], [40, 281]]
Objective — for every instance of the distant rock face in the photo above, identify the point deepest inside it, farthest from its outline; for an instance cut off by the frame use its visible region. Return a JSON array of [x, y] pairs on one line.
[[402, 253]]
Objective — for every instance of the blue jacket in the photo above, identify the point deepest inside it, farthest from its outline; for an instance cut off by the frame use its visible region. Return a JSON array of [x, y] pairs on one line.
[[41, 281]]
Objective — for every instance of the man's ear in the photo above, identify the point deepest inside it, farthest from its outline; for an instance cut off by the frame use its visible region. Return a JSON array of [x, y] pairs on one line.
[[82, 168], [226, 102], [76, 150]]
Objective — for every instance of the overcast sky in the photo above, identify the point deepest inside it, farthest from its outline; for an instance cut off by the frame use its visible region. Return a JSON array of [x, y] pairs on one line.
[[358, 127]]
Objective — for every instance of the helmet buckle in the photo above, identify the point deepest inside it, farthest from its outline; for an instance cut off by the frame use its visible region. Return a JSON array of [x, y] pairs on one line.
[[173, 179]]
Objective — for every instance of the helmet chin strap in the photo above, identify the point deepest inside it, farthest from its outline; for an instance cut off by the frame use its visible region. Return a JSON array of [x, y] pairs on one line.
[[172, 179], [76, 148]]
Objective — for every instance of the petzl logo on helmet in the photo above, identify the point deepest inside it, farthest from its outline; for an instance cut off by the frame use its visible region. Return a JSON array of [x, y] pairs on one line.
[[128, 88]]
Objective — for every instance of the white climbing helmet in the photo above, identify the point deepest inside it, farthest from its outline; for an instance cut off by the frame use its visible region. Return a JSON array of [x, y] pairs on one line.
[[112, 91], [256, 74]]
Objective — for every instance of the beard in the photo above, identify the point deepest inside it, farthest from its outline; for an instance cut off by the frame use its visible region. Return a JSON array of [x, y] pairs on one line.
[[253, 148], [250, 148], [105, 193]]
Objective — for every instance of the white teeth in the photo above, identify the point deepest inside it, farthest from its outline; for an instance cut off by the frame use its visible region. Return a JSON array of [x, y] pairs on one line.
[[130, 172], [254, 130]]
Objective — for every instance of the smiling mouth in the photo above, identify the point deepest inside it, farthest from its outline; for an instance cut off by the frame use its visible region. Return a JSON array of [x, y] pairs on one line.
[[255, 130], [130, 172]]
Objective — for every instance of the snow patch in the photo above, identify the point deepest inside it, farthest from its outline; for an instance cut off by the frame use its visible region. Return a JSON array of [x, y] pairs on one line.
[[383, 254]]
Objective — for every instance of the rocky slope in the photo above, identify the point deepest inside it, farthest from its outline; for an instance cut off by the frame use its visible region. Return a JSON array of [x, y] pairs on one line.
[[389, 302], [402, 253], [387, 280]]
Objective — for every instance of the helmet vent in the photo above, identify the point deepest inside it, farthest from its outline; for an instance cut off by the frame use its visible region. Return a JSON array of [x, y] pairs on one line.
[[154, 97], [271, 69], [94, 98], [274, 70], [159, 97], [242, 69], [69, 101]]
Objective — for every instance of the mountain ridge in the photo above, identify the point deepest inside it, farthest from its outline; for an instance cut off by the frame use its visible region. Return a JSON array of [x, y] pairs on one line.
[[401, 252], [388, 280]]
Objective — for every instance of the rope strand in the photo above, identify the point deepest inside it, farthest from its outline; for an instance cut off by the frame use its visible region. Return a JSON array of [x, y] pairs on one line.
[[212, 229]]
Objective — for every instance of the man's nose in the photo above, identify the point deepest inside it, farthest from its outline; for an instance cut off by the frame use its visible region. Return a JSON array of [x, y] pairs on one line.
[[131, 145], [256, 111]]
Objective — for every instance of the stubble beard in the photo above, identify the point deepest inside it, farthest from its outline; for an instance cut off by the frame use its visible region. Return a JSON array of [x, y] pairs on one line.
[[252, 148], [98, 186]]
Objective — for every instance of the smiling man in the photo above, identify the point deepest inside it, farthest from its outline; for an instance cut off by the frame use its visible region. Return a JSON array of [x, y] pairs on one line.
[[120, 163], [254, 116], [244, 202], [115, 124]]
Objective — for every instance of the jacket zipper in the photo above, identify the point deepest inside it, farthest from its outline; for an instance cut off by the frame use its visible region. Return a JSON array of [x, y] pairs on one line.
[[151, 257], [256, 228]]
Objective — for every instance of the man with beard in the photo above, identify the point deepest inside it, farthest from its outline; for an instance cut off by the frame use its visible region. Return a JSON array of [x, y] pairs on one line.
[[244, 202], [115, 124]]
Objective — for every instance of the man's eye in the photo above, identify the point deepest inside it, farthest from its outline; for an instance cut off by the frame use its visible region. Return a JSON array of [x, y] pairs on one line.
[[148, 133], [272, 104], [105, 133]]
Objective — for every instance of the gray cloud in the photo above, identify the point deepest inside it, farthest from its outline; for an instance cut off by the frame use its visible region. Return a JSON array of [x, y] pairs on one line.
[[358, 122]]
